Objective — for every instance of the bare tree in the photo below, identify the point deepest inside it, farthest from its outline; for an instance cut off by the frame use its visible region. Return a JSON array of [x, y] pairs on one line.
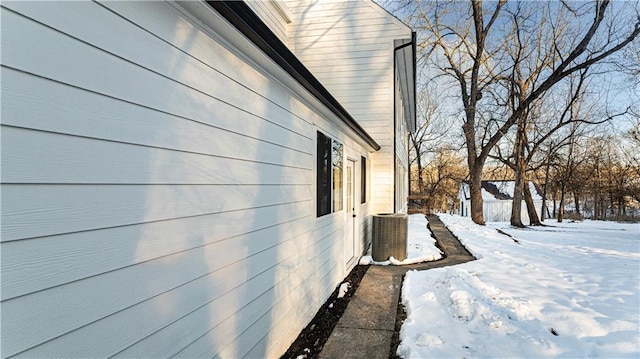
[[565, 175], [469, 42], [426, 139], [539, 125], [434, 165], [442, 178], [617, 181]]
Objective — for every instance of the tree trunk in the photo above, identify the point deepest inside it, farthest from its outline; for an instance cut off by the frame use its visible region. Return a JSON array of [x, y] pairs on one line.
[[475, 187], [596, 204], [612, 204], [516, 206], [576, 199], [620, 206], [520, 168], [561, 204], [596, 192], [420, 179], [544, 194], [531, 208]]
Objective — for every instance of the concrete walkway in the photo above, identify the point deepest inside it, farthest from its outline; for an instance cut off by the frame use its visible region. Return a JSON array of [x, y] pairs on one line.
[[367, 325]]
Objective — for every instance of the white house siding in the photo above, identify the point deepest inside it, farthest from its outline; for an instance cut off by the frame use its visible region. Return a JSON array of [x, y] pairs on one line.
[[496, 210], [348, 46], [401, 150], [158, 188], [275, 14], [493, 209], [500, 211]]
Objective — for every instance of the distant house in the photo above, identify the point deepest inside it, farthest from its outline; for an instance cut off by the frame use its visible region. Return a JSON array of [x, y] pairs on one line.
[[192, 179], [497, 198]]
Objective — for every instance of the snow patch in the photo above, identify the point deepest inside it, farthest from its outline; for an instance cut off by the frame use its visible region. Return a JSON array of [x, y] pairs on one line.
[[428, 340], [344, 288], [567, 289]]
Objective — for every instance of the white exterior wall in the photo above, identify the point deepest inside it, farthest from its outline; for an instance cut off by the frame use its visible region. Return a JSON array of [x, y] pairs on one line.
[[158, 187], [492, 210], [275, 14], [401, 151], [500, 211], [348, 46]]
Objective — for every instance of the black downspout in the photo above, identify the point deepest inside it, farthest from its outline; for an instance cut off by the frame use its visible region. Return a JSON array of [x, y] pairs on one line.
[[415, 80], [393, 150], [395, 119], [415, 114]]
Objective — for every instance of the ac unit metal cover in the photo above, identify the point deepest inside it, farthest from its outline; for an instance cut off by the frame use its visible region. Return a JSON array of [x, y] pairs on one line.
[[389, 238]]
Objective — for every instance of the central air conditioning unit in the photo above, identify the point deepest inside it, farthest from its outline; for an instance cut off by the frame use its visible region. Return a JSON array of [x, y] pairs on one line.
[[389, 238]]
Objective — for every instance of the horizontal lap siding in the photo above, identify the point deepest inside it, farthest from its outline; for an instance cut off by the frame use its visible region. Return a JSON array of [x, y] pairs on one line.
[[402, 157], [106, 118], [31, 211], [94, 253], [270, 16], [157, 190], [348, 45], [71, 159], [316, 285]]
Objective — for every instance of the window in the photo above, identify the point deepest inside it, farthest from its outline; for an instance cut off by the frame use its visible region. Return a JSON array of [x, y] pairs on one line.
[[363, 180], [349, 183], [330, 197], [323, 175], [337, 176]]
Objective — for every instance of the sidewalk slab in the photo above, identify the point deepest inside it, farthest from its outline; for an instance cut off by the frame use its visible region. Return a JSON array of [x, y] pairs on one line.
[[367, 325], [357, 343], [374, 304]]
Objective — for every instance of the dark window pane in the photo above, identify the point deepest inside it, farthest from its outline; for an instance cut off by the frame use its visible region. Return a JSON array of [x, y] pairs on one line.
[[323, 175], [363, 180], [337, 176]]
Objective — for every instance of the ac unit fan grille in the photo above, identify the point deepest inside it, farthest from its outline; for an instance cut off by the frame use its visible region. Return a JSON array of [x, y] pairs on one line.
[[389, 238]]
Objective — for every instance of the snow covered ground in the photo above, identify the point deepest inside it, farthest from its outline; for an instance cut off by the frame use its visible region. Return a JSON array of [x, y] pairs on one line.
[[567, 290], [421, 247]]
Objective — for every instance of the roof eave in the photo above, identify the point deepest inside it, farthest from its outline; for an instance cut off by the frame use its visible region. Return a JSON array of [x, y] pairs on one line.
[[250, 25]]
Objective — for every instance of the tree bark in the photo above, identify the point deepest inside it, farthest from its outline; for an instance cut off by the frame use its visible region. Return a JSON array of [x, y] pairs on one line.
[[594, 191], [561, 204], [420, 179], [612, 204], [620, 207], [597, 208], [544, 194], [417, 148], [516, 206], [520, 169], [531, 208], [475, 187]]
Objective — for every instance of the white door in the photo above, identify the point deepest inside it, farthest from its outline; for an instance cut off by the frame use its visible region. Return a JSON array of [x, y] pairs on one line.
[[350, 235]]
